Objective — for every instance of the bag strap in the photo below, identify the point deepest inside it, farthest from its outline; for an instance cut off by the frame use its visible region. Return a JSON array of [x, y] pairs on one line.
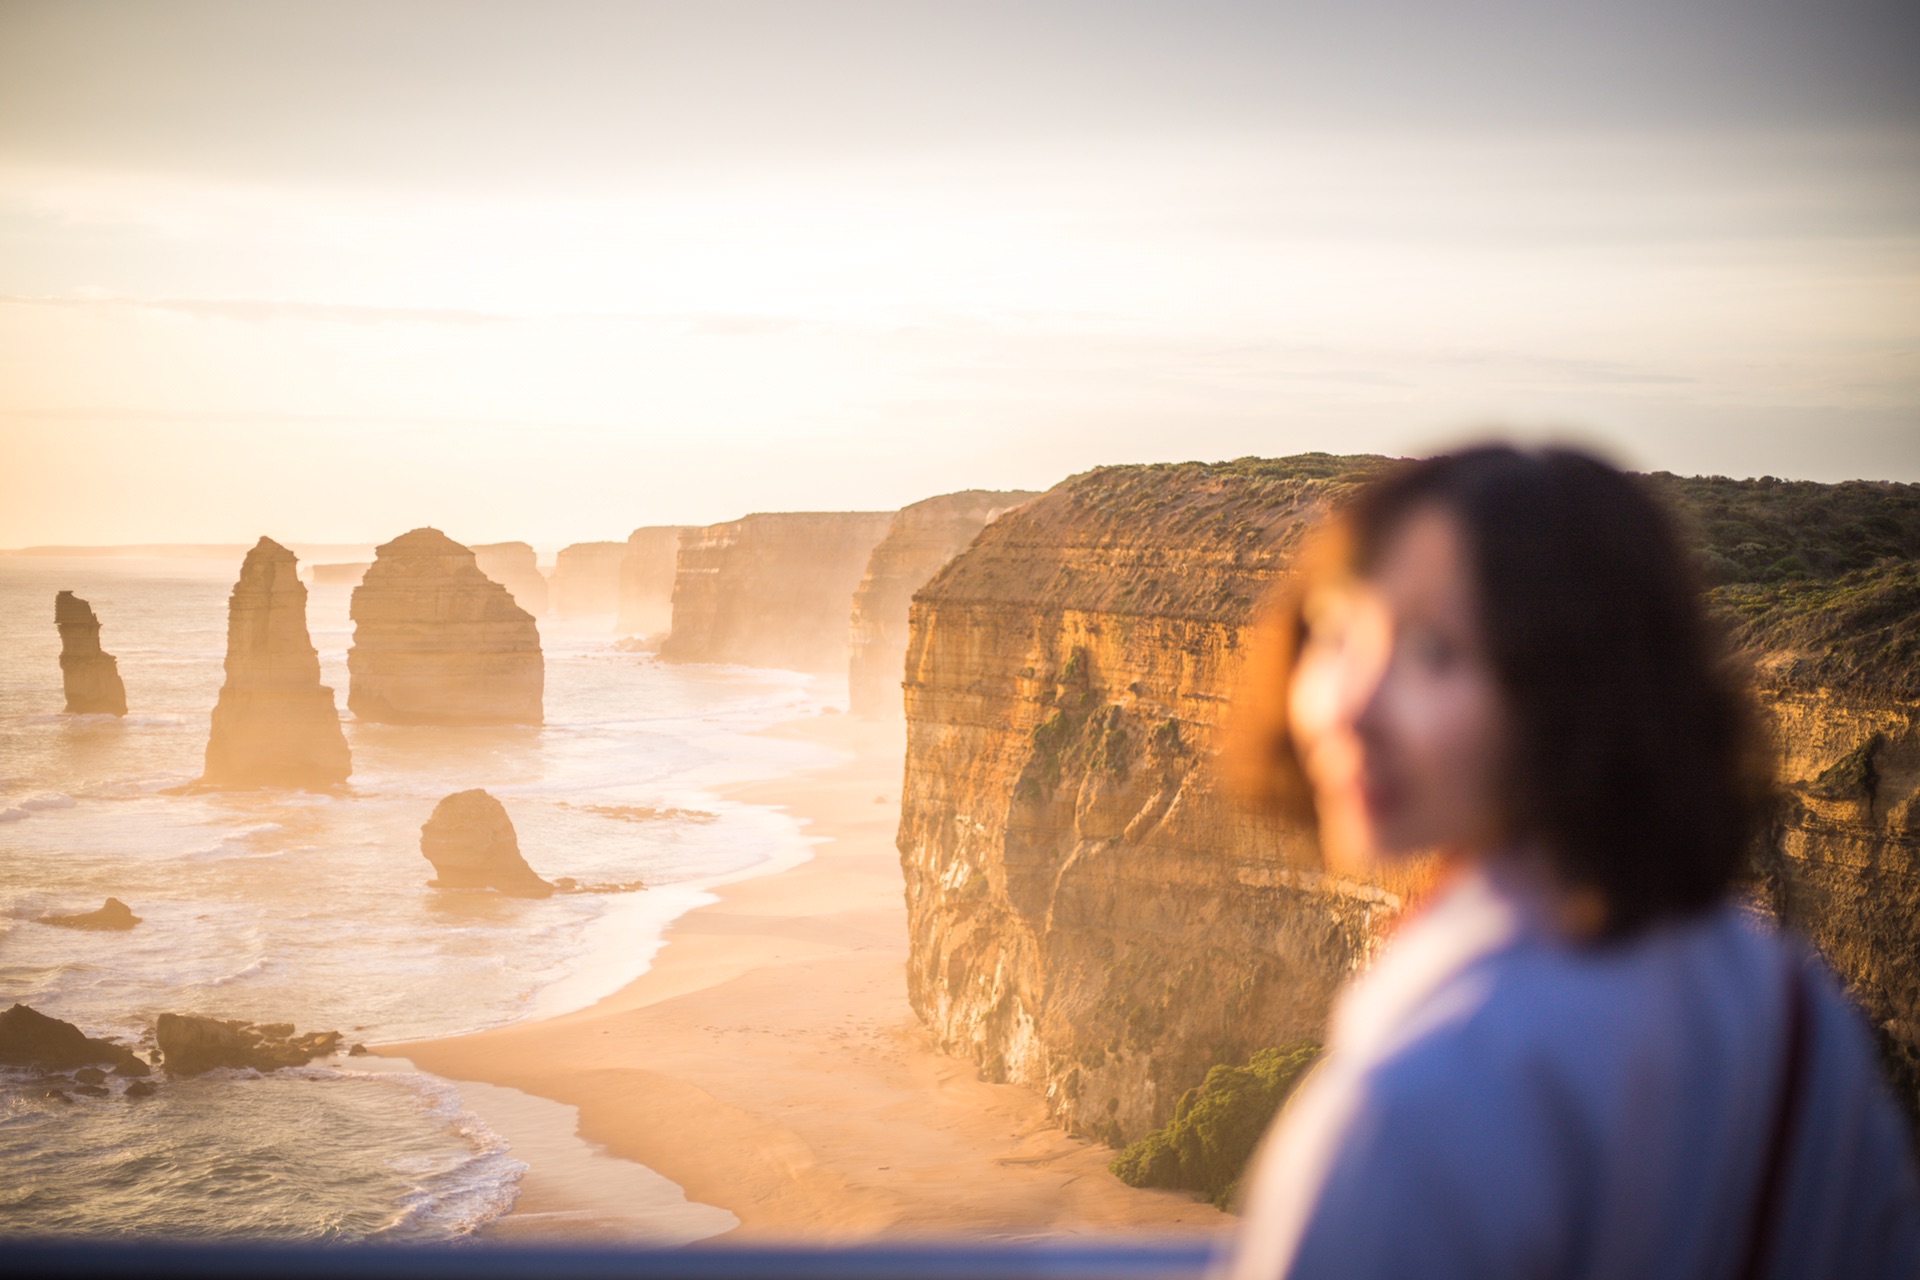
[[1763, 1223]]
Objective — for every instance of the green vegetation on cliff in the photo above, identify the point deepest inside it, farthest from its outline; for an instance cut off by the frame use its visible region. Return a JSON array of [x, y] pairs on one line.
[[1216, 1125]]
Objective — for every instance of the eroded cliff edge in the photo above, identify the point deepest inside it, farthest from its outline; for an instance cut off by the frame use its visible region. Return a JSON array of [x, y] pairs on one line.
[[1091, 917]]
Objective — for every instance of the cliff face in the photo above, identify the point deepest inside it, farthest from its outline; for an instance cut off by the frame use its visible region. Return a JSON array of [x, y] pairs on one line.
[[435, 641], [275, 724], [1091, 917], [771, 590], [920, 539], [586, 578], [646, 579], [514, 566], [90, 675]]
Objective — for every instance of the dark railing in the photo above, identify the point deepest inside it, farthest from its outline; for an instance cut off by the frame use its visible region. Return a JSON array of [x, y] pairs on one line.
[[1145, 1260]]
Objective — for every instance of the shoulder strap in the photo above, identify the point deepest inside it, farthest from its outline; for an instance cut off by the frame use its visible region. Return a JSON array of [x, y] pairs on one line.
[[1763, 1223]]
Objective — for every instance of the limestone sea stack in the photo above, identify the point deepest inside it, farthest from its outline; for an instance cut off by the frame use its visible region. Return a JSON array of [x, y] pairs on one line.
[[471, 843], [436, 641], [275, 724], [920, 539], [646, 579], [515, 566], [586, 579], [772, 590], [91, 676]]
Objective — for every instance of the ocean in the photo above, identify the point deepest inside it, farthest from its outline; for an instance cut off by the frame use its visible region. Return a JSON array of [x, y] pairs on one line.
[[314, 908]]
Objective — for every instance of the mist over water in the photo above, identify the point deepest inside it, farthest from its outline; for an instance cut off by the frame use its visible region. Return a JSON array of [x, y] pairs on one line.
[[314, 908]]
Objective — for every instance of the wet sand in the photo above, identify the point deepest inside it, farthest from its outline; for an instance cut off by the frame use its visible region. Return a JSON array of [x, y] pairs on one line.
[[768, 1062]]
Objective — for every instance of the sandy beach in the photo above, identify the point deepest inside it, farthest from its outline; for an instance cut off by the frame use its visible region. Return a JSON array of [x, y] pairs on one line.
[[768, 1062]]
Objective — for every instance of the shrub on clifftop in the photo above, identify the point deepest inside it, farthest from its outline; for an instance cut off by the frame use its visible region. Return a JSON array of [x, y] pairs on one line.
[[1216, 1125]]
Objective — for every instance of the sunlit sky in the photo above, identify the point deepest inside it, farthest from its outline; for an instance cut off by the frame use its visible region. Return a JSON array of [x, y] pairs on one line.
[[331, 271]]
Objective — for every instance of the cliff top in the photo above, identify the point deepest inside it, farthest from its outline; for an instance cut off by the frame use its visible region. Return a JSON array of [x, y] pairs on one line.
[[425, 541], [69, 608], [266, 551]]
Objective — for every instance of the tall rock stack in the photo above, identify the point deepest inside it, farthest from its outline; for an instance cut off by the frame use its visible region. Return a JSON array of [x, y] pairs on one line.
[[275, 724], [920, 539], [436, 641], [646, 579], [91, 676], [514, 566], [586, 579], [771, 590]]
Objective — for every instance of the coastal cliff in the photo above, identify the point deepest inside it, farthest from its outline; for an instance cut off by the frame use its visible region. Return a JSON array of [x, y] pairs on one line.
[[435, 641], [275, 724], [515, 566], [771, 590], [586, 579], [89, 674], [646, 579], [1091, 917], [920, 539]]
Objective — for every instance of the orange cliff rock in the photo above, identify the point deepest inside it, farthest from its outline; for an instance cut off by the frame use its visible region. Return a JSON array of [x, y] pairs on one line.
[[646, 579], [1090, 914], [586, 579], [920, 539], [435, 641], [772, 590], [90, 675], [275, 724], [470, 841], [515, 566]]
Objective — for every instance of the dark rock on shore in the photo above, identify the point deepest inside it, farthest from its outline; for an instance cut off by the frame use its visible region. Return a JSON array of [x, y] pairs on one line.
[[29, 1038], [191, 1044], [471, 843], [115, 915]]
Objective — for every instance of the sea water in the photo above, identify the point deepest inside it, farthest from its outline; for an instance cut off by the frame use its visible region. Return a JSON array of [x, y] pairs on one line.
[[314, 909]]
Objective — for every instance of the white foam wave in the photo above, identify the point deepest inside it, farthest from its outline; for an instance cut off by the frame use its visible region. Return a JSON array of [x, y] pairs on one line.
[[36, 804]]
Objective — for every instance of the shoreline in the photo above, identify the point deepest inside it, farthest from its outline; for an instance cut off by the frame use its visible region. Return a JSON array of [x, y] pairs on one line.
[[768, 1063]]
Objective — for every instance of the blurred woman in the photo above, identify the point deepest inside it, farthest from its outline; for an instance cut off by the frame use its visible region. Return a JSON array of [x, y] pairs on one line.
[[1582, 1057]]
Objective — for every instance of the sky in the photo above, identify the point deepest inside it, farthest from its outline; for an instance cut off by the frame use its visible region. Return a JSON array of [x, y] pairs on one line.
[[550, 272]]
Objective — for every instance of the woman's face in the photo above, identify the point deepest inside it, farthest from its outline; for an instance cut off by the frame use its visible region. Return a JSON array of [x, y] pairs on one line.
[[1395, 713]]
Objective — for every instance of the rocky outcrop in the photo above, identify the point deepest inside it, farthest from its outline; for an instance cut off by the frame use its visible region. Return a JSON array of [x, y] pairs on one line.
[[29, 1038], [435, 641], [920, 539], [586, 579], [1091, 917], [340, 575], [190, 1045], [646, 579], [90, 674], [514, 566], [772, 590], [114, 916], [275, 724], [471, 843]]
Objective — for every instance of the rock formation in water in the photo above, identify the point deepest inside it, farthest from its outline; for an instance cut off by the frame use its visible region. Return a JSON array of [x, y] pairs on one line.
[[771, 590], [920, 539], [113, 916], [586, 579], [1090, 916], [275, 724], [436, 641], [514, 566], [340, 575], [29, 1038], [190, 1045], [471, 843], [90, 674], [646, 579]]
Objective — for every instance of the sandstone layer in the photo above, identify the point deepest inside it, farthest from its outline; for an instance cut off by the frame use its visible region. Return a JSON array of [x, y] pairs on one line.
[[275, 724], [515, 566], [586, 579], [1089, 914], [90, 674], [435, 641], [773, 590], [646, 579], [472, 845], [920, 539]]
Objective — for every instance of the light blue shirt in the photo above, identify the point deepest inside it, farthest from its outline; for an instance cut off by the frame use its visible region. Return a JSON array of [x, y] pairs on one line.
[[1496, 1102]]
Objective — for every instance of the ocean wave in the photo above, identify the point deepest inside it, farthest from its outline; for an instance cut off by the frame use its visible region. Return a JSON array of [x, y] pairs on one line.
[[35, 804]]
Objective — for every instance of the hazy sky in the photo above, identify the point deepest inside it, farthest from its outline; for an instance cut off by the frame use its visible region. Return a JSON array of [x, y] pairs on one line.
[[551, 271]]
